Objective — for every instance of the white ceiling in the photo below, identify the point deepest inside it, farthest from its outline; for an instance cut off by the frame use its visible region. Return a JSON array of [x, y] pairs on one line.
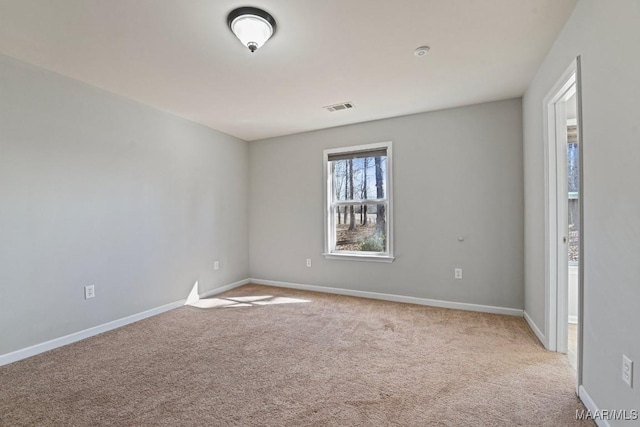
[[179, 55]]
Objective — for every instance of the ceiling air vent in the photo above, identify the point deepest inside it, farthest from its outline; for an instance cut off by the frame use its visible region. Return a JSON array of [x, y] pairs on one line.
[[338, 107]]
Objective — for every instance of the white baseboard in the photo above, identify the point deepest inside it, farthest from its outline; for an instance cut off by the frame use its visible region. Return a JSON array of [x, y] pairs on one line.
[[392, 297], [24, 353], [86, 333], [535, 329], [591, 406]]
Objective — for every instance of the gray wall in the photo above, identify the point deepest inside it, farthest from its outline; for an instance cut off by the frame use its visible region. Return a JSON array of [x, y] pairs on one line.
[[97, 189], [606, 35], [456, 172]]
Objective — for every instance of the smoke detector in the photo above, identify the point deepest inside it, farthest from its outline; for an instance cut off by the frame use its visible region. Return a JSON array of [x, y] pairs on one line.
[[421, 51]]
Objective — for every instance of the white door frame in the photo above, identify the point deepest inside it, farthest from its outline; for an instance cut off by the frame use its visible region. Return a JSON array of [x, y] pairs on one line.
[[556, 221]]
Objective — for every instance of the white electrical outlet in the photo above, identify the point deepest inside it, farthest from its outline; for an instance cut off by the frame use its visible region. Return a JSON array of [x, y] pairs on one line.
[[216, 265], [457, 273], [627, 370], [89, 291], [308, 262]]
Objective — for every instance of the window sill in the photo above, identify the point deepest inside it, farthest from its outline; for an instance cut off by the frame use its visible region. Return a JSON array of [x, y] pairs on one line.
[[355, 257]]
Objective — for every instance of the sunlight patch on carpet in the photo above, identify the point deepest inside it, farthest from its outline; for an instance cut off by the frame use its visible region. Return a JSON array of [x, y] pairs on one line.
[[247, 301]]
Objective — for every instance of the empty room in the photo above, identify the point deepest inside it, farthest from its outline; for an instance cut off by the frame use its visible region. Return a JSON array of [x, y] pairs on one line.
[[319, 213]]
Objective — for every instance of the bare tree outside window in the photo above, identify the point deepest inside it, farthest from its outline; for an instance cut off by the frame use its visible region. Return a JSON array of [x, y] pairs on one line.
[[359, 211]]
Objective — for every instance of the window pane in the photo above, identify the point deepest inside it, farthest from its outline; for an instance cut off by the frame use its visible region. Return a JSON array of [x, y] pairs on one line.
[[573, 167], [573, 181], [361, 228], [360, 178]]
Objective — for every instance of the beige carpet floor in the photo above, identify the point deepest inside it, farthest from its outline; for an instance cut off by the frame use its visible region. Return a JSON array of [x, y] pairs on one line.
[[263, 356]]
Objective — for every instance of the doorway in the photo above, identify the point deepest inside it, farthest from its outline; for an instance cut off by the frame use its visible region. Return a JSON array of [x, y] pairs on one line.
[[563, 223], [572, 194]]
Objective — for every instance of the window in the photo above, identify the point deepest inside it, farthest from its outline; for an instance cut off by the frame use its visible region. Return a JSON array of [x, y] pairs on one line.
[[358, 203]]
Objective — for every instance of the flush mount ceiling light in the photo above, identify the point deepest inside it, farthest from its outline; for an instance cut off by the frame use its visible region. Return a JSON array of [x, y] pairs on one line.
[[252, 26]]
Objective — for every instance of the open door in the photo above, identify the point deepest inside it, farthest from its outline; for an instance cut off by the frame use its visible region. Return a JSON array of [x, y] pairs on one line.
[[563, 225]]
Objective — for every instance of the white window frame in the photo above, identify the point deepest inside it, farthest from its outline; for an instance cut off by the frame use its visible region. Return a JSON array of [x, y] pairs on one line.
[[330, 204]]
